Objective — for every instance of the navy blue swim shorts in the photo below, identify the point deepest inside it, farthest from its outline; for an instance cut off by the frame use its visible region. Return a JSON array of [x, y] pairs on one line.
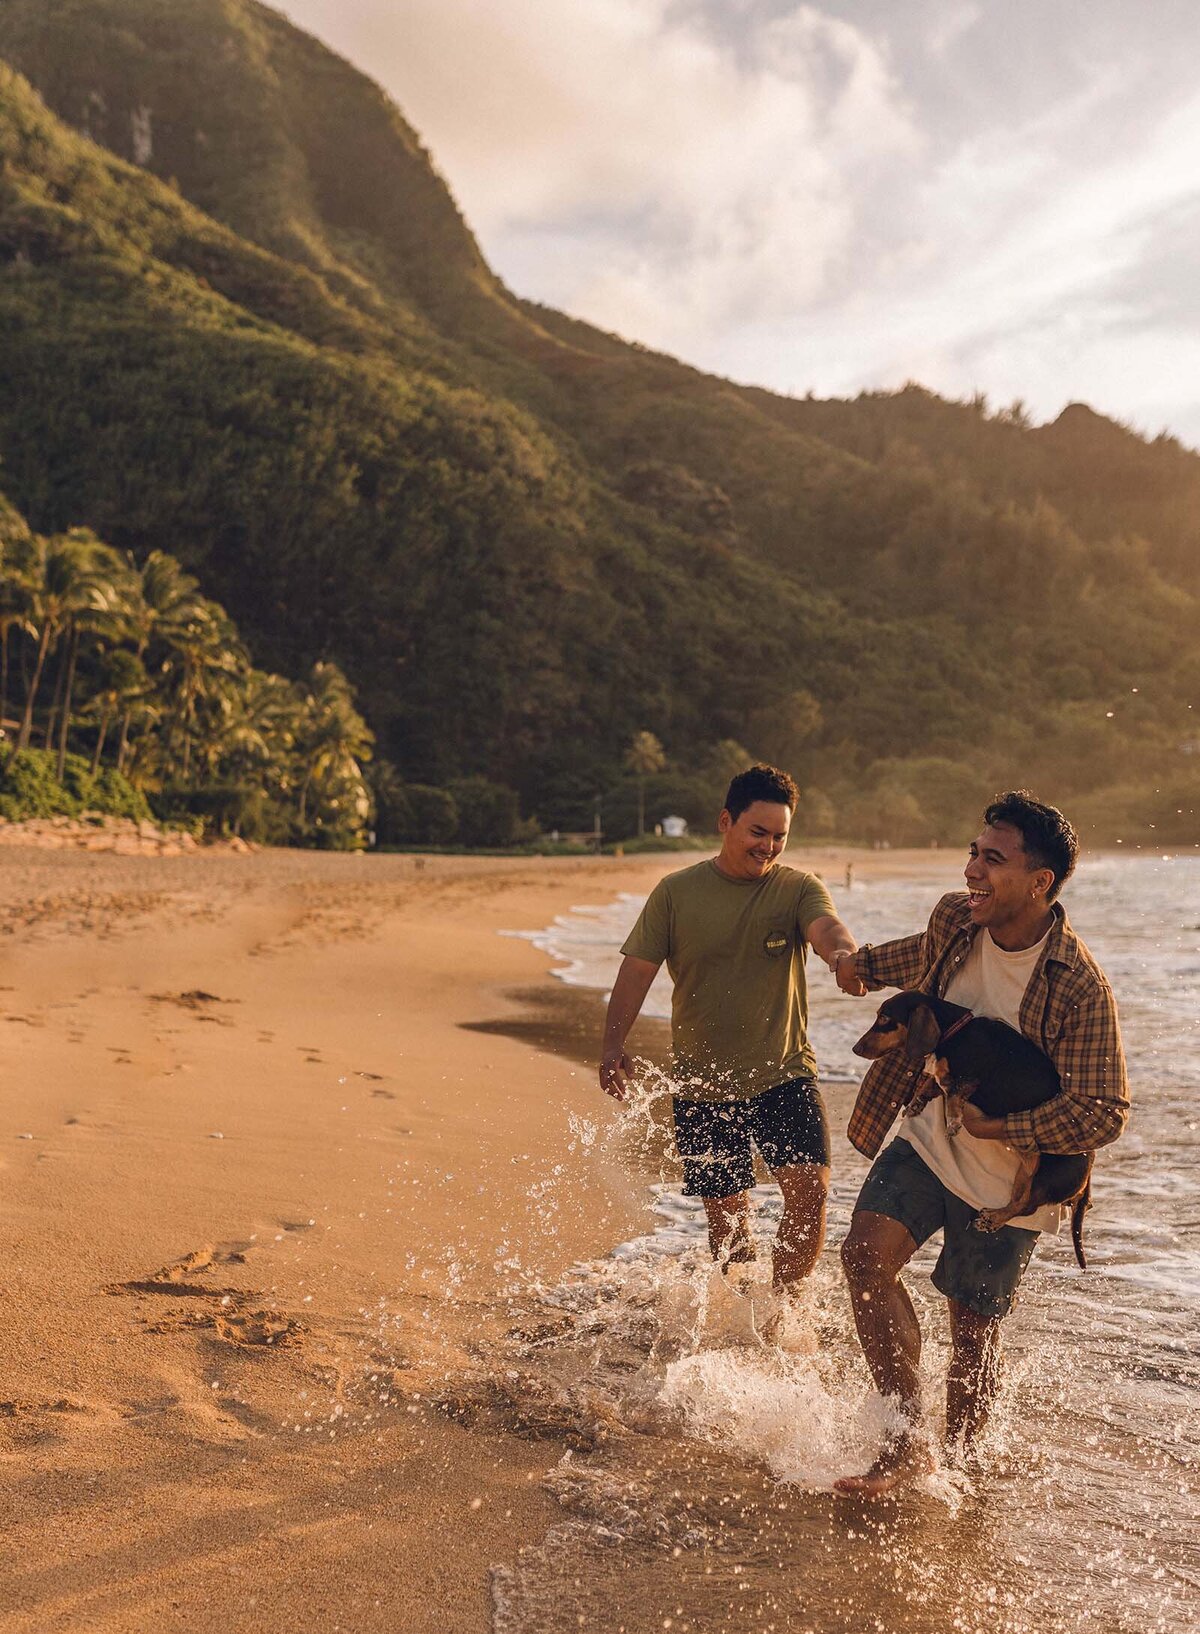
[[715, 1138]]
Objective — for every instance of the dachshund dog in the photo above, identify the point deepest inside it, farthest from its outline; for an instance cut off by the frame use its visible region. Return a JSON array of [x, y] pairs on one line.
[[996, 1068]]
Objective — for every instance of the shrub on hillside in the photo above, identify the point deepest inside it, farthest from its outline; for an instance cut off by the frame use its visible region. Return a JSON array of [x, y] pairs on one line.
[[394, 816], [816, 815], [488, 813], [668, 794], [114, 794], [225, 808], [427, 816], [29, 787]]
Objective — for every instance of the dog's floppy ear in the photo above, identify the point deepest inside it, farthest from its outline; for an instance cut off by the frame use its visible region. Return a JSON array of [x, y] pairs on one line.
[[924, 1030]]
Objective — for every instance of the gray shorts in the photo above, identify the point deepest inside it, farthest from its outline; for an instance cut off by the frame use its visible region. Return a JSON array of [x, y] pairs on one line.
[[978, 1269]]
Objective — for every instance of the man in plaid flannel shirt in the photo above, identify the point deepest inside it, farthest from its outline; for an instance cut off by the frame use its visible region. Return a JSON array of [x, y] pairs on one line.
[[1004, 948]]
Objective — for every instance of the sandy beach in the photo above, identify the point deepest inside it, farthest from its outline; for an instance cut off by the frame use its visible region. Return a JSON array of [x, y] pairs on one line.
[[246, 1135], [286, 1141], [262, 1185], [243, 1133]]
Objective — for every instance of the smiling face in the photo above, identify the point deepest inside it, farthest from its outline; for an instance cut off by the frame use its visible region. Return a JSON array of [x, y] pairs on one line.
[[751, 843], [1008, 890]]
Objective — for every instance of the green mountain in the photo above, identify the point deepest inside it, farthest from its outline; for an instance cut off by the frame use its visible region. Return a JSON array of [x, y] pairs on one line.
[[242, 320]]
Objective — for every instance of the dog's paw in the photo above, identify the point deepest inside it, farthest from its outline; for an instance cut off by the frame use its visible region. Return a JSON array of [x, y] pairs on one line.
[[955, 1107], [988, 1219]]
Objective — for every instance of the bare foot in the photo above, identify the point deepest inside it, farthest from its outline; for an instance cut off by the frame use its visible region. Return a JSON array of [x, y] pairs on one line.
[[790, 1326], [740, 1274], [904, 1459]]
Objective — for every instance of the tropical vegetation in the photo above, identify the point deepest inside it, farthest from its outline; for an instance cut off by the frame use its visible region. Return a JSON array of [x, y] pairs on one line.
[[245, 329], [148, 681]]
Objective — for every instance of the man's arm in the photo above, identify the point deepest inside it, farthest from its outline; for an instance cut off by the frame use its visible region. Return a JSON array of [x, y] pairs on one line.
[[628, 995], [891, 964], [904, 962], [831, 940], [1093, 1106]]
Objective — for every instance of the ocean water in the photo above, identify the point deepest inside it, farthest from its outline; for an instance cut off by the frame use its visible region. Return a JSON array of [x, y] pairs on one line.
[[696, 1491]]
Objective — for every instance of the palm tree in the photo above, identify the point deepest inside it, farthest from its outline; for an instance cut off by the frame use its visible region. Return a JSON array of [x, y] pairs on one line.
[[66, 582], [203, 663], [262, 720], [96, 610], [16, 552], [644, 757], [123, 682], [333, 740], [252, 746], [159, 599]]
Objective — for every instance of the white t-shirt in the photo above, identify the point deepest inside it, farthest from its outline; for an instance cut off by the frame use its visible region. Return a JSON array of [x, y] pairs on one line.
[[991, 982]]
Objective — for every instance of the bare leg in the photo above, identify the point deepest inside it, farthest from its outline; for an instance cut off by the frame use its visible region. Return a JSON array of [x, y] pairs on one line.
[[801, 1233], [974, 1375], [729, 1234], [874, 1254]]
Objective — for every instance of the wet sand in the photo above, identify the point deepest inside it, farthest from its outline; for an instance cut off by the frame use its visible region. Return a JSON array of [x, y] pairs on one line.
[[297, 1153], [263, 1178], [244, 1137]]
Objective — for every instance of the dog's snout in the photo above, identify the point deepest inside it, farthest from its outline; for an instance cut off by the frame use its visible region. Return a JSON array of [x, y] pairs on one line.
[[884, 1035]]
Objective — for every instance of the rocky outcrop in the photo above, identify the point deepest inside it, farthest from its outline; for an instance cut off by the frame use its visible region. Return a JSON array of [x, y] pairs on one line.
[[96, 832]]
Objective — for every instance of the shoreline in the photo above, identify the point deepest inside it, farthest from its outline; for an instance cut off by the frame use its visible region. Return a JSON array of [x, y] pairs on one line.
[[259, 1183], [281, 1139]]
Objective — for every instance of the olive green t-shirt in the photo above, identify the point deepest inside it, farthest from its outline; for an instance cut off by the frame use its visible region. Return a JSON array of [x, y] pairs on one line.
[[735, 950]]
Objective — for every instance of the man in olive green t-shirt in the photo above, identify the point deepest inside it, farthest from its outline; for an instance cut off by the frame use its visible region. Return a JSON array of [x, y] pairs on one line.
[[734, 932]]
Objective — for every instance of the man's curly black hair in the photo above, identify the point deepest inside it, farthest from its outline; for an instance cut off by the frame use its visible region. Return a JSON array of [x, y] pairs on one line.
[[1047, 837]]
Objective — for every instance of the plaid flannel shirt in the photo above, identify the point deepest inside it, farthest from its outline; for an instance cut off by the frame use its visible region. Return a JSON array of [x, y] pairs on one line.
[[1068, 1011]]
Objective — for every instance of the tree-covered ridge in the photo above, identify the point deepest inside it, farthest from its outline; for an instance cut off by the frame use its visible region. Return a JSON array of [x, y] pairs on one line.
[[524, 541], [134, 666]]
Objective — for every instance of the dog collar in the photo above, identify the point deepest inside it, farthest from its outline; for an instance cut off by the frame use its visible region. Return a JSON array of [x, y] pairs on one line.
[[956, 1027]]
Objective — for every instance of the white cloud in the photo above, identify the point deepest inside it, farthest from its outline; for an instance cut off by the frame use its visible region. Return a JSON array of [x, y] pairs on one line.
[[698, 185], [825, 195]]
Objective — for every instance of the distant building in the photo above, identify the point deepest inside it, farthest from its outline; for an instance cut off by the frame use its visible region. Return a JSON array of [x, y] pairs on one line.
[[674, 827]]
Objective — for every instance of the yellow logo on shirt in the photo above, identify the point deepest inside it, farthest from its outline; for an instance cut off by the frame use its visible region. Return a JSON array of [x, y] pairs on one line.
[[776, 942]]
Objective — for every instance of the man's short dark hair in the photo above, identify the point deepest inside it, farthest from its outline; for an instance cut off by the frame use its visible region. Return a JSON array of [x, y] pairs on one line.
[[761, 783], [1047, 837]]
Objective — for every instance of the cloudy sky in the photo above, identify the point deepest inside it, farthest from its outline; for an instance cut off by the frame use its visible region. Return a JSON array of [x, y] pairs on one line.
[[1000, 197]]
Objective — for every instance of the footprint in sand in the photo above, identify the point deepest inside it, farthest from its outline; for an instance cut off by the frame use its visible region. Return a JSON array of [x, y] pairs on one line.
[[253, 1330], [63, 1404], [383, 1094], [228, 1317], [215, 1418], [26, 1425], [231, 1325], [198, 1002], [176, 1277]]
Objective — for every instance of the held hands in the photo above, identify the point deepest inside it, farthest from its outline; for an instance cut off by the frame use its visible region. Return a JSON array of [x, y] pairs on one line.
[[614, 1075], [845, 974]]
